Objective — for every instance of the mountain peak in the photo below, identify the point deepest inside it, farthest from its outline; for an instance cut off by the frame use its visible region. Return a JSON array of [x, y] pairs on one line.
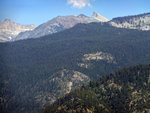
[[10, 29], [82, 15], [99, 17], [7, 20], [95, 14]]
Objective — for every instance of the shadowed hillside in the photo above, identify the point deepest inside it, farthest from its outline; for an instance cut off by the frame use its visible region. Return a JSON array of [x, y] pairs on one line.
[[84, 51], [126, 90]]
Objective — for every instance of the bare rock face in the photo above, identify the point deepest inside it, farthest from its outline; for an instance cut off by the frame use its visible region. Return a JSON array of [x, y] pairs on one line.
[[59, 84], [9, 29], [58, 24], [98, 17], [96, 57], [140, 22]]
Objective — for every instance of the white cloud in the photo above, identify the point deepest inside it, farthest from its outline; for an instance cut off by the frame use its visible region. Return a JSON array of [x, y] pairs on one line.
[[79, 3]]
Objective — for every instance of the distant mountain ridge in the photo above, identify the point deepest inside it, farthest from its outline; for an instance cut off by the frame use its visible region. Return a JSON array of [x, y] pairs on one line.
[[10, 29], [141, 22], [60, 23]]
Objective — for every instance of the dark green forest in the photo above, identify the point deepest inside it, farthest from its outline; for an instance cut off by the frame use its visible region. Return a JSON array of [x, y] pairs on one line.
[[25, 63], [124, 91]]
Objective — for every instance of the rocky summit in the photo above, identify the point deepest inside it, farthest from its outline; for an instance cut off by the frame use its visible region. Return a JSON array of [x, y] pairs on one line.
[[97, 16], [60, 23], [10, 29]]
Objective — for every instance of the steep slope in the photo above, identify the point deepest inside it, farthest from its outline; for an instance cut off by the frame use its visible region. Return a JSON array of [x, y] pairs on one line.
[[9, 29], [91, 49], [97, 16], [43, 92], [58, 24], [141, 22], [125, 91]]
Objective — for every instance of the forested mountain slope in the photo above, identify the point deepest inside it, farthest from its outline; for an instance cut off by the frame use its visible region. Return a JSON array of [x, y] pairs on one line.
[[125, 91], [84, 51]]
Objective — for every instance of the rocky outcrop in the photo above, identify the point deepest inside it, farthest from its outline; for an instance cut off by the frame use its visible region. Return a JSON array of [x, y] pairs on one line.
[[59, 84], [10, 29], [140, 22], [98, 17], [96, 57]]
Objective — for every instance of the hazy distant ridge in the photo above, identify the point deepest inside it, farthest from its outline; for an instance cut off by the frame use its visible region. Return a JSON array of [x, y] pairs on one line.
[[60, 23], [141, 22], [10, 29]]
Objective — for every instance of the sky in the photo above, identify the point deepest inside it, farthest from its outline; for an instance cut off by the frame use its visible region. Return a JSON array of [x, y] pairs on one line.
[[40, 11]]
